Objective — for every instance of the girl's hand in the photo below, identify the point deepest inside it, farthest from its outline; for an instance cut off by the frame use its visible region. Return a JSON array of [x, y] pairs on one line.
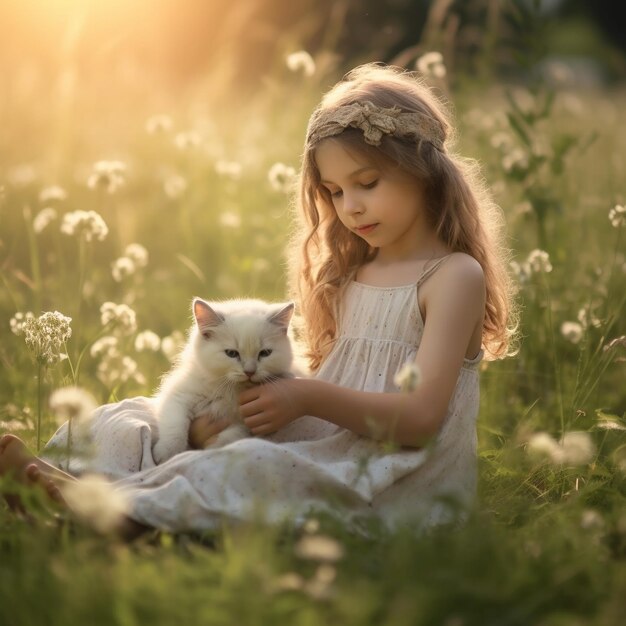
[[269, 407], [204, 429]]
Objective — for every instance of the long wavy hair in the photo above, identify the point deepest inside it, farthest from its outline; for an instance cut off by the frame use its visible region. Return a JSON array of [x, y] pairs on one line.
[[324, 255]]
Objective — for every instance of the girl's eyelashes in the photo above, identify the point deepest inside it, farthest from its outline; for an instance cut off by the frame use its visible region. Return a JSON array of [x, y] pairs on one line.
[[370, 185]]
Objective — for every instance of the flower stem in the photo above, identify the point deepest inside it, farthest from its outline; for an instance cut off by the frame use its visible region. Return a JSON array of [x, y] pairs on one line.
[[68, 449], [39, 402]]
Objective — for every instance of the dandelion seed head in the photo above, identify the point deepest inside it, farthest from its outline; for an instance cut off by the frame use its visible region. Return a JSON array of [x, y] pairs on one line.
[[572, 331], [515, 161], [96, 502], [591, 520], [301, 61], [87, 225], [122, 268], [72, 403], [281, 177], [502, 141], [147, 340], [408, 377], [431, 64], [52, 193]]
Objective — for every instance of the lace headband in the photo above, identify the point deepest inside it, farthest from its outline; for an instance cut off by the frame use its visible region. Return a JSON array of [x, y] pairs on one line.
[[375, 122]]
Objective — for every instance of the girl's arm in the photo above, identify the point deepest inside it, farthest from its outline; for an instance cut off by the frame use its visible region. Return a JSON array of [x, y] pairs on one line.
[[454, 299]]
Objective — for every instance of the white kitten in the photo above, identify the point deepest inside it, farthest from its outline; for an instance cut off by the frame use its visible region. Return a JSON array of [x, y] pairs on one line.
[[233, 345]]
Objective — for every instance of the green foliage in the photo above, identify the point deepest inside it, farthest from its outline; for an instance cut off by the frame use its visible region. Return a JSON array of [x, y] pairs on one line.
[[547, 543]]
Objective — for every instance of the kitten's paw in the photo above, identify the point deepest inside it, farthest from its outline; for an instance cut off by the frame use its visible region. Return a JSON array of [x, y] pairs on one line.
[[164, 450]]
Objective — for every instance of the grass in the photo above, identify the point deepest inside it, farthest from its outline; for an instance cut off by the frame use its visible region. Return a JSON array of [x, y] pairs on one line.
[[547, 542]]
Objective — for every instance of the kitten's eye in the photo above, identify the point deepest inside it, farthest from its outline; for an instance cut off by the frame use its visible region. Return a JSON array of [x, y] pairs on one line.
[[233, 354], [264, 353]]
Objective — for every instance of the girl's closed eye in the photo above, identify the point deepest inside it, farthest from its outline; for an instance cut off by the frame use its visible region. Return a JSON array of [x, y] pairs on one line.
[[370, 185]]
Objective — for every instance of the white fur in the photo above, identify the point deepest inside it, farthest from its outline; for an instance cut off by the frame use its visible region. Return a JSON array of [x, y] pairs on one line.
[[207, 380]]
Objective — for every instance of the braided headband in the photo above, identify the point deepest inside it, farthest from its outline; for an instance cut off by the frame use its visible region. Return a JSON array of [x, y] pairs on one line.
[[375, 122]]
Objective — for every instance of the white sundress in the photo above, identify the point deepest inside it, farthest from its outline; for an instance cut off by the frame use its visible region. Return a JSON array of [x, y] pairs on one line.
[[311, 464]]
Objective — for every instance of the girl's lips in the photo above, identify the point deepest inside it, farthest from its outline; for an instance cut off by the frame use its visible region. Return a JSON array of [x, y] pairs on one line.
[[364, 230]]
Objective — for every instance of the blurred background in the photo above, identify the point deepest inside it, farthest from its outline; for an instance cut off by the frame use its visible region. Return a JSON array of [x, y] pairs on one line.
[[181, 123]]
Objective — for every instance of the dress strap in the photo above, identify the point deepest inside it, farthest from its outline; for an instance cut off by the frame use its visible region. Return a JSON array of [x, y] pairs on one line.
[[431, 270]]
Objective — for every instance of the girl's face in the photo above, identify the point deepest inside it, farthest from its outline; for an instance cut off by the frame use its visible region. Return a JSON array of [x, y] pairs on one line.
[[384, 207]]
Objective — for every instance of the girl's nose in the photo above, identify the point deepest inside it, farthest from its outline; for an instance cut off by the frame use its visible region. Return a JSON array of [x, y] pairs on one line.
[[351, 204]]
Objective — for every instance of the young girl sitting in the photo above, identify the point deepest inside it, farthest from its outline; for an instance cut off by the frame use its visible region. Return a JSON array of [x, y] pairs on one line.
[[397, 260]]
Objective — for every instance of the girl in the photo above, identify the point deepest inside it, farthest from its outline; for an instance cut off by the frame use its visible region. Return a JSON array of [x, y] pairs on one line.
[[397, 259]]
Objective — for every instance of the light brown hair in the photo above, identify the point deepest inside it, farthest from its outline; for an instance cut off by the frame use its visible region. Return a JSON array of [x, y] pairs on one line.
[[325, 255]]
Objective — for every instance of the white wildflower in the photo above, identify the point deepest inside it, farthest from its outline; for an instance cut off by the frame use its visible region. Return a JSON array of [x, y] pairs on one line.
[[72, 403], [431, 64], [172, 345], [95, 502], [281, 177], [502, 141], [86, 224], [591, 520], [617, 216], [44, 335], [122, 268], [515, 160], [587, 318], [104, 346], [187, 139], [301, 61], [147, 340], [52, 193], [228, 169], [542, 446], [17, 322], [539, 261], [175, 186], [578, 448], [22, 175], [230, 219], [158, 124], [408, 377], [137, 253], [574, 448], [572, 331], [319, 587], [115, 369], [43, 218], [521, 271], [319, 548], [120, 316], [107, 175]]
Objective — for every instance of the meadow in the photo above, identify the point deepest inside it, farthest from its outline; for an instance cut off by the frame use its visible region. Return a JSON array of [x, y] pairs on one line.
[[192, 196]]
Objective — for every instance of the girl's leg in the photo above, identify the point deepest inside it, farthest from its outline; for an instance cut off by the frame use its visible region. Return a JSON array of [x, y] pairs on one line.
[[16, 459]]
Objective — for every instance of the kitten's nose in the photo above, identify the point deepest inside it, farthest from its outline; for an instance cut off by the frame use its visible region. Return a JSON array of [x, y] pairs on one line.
[[249, 369]]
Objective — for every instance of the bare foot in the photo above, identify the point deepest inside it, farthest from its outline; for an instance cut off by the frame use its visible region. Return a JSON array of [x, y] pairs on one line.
[[27, 469]]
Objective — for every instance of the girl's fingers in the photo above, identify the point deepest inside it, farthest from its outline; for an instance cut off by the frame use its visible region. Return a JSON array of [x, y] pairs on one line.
[[249, 395]]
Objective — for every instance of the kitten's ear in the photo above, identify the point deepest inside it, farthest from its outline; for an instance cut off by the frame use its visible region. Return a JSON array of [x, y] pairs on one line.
[[206, 317], [283, 316]]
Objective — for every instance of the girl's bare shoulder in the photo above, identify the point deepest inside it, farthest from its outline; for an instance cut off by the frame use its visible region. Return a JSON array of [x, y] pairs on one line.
[[460, 280]]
